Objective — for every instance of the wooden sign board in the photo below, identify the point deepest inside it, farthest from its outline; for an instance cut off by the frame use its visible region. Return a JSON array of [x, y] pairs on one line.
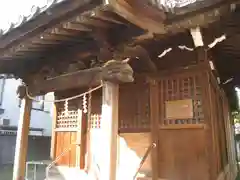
[[179, 109]]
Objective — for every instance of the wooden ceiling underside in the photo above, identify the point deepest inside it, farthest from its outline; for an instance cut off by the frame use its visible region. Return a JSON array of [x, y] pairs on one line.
[[81, 36]]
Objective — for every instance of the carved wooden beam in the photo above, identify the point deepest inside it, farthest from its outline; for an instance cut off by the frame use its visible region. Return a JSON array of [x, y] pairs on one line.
[[114, 71], [142, 54]]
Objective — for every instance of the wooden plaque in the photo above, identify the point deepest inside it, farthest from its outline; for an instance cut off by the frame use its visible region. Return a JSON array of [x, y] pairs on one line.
[[179, 109]]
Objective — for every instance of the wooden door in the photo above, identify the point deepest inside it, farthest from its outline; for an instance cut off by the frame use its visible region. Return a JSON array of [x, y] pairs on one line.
[[68, 138]]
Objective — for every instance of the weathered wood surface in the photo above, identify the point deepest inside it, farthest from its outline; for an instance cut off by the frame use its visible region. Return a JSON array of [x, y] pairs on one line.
[[115, 71], [140, 14], [154, 106], [20, 157], [109, 129]]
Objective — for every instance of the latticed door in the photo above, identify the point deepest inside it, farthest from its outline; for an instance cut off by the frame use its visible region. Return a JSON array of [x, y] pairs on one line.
[[68, 137]]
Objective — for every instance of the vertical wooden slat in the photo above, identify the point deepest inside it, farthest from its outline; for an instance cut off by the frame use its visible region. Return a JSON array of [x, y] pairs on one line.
[[154, 116], [74, 149], [68, 145], [60, 147], [22, 140]]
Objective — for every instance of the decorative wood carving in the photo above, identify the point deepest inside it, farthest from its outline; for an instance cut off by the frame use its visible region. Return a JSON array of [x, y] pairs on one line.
[[115, 71], [141, 53]]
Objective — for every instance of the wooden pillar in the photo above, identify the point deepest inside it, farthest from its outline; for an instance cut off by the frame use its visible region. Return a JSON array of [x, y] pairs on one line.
[[83, 140], [22, 140], [53, 138], [109, 125], [154, 114]]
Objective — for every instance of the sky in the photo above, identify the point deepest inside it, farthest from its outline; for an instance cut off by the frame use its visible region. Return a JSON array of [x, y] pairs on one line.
[[10, 10]]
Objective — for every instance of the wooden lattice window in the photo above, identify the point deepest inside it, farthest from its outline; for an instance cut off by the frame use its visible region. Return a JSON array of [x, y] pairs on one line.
[[183, 94], [134, 108], [69, 121], [95, 121]]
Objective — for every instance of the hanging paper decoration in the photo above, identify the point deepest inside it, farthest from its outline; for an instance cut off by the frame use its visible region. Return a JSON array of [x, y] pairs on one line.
[[85, 103], [66, 108]]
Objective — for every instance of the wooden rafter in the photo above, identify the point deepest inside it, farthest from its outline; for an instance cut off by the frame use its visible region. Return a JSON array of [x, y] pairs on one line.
[[201, 19], [36, 26], [76, 26], [140, 14], [91, 21], [68, 31]]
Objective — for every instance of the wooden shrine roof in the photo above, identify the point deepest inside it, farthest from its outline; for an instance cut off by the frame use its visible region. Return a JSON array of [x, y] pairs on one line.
[[28, 14], [75, 31]]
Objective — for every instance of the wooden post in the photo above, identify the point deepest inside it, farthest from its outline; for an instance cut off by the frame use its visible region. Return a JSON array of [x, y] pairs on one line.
[[197, 37], [109, 125], [83, 140], [79, 143], [199, 44], [53, 138], [154, 114], [22, 140]]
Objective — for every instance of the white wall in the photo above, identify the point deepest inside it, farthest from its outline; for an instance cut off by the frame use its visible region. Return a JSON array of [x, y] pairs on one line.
[[10, 104]]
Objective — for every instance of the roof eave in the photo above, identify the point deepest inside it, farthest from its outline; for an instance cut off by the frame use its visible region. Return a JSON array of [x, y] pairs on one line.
[[52, 16]]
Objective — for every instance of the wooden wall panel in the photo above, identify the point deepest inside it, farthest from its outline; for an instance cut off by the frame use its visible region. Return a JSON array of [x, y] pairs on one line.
[[182, 154], [134, 106], [220, 120], [134, 110]]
